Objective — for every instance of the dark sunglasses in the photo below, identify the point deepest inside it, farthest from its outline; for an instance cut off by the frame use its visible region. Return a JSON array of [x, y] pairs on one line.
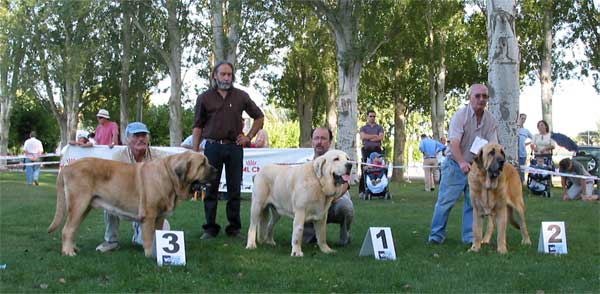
[[371, 116]]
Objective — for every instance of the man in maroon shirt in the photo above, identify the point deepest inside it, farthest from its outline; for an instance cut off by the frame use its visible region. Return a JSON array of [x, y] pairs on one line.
[[218, 114]]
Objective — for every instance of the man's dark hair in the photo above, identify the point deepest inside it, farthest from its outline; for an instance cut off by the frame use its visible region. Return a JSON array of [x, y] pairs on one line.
[[328, 130], [32, 134], [564, 164], [545, 124], [370, 111], [423, 136], [216, 68]]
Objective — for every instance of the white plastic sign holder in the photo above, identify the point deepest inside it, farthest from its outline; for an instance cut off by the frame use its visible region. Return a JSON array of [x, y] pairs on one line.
[[378, 242], [170, 247], [553, 238]]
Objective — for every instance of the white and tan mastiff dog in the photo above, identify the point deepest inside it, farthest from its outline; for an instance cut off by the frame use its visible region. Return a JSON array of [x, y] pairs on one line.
[[302, 192], [145, 192]]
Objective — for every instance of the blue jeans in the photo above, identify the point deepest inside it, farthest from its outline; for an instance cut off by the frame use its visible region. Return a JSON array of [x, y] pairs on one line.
[[32, 172], [231, 156], [454, 182], [522, 161]]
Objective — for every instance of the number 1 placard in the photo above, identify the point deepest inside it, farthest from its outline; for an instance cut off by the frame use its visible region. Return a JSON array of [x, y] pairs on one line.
[[379, 242], [170, 248], [553, 238]]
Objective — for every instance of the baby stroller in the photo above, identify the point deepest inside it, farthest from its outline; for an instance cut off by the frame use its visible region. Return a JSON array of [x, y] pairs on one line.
[[375, 178], [539, 183]]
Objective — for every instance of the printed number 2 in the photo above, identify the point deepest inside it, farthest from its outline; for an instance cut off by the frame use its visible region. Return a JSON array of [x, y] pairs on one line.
[[172, 241], [553, 238], [381, 235]]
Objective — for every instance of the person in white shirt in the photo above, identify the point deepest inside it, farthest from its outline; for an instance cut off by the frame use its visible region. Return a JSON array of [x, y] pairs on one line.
[[33, 150]]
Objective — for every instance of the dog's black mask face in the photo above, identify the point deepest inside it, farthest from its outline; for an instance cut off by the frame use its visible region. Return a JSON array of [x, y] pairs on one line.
[[497, 163]]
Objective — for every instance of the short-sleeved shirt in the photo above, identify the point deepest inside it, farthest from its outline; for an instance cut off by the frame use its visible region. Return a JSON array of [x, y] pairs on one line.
[[221, 118], [125, 155], [523, 135], [430, 147], [371, 130], [104, 133], [463, 127], [33, 146]]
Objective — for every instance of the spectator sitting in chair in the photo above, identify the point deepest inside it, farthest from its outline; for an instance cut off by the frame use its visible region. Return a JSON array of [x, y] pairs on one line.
[[575, 188]]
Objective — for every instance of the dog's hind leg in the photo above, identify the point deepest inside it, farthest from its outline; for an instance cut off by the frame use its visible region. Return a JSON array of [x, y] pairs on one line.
[[76, 213], [255, 214], [269, 227], [525, 240], [148, 229]]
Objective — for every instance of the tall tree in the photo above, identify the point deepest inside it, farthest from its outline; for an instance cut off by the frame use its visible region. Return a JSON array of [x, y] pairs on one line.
[[13, 40], [503, 72], [360, 28], [226, 18]]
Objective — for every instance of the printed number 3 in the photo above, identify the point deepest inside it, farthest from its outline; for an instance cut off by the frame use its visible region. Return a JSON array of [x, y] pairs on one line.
[[172, 241], [556, 230], [381, 235]]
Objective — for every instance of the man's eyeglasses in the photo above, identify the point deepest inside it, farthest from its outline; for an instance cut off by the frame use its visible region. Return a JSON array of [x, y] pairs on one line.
[[483, 96]]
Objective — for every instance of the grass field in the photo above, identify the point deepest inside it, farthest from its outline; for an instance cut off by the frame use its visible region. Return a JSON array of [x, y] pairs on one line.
[[34, 264]]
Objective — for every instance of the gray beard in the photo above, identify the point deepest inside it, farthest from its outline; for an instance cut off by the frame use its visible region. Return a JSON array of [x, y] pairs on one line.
[[223, 85]]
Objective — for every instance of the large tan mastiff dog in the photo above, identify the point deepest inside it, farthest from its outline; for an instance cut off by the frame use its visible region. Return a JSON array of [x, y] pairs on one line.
[[495, 192], [303, 193], [145, 192]]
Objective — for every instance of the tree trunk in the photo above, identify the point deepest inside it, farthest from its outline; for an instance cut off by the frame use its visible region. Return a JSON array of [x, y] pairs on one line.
[[225, 48], [546, 71], [175, 129], [6, 101], [432, 65], [331, 103], [437, 108], [125, 63], [219, 45], [503, 74], [349, 80], [399, 138], [305, 115]]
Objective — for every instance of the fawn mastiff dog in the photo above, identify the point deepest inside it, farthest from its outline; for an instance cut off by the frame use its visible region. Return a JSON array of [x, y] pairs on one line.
[[303, 193], [495, 192], [145, 192]]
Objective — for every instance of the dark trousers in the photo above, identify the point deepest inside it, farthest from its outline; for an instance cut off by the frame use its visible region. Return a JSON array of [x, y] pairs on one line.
[[365, 154], [230, 155]]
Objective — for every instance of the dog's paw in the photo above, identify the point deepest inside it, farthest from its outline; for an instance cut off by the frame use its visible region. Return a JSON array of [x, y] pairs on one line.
[[526, 242], [69, 253], [502, 250], [297, 254], [270, 242], [250, 246], [474, 248]]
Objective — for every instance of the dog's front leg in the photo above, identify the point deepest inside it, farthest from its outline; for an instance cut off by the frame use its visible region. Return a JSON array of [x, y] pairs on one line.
[[148, 228], [297, 233], [477, 229], [490, 229], [321, 232], [501, 220]]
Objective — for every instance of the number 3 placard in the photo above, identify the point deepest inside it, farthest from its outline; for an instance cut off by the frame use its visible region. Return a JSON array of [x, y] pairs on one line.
[[170, 248], [379, 242], [553, 238]]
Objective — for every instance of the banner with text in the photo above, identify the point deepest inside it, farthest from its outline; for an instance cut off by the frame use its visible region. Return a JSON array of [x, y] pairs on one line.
[[254, 158]]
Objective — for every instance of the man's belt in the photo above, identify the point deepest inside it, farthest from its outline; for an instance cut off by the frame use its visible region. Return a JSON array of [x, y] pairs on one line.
[[220, 141]]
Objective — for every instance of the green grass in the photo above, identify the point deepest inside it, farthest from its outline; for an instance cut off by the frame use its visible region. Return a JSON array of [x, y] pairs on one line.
[[33, 259]]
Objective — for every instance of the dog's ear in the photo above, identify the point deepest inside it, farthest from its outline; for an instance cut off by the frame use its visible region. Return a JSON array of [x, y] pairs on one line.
[[318, 166], [479, 159], [181, 168]]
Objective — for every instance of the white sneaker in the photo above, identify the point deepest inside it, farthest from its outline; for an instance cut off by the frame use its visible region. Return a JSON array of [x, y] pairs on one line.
[[107, 246], [166, 225]]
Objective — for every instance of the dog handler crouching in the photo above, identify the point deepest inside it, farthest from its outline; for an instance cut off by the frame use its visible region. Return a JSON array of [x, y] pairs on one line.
[[138, 150], [341, 210]]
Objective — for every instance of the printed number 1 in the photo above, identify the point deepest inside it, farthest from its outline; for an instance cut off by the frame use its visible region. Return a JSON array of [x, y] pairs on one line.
[[556, 230], [173, 241], [381, 235]]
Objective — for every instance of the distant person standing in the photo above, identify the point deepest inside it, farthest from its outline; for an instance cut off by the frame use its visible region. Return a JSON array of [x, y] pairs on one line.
[[468, 124], [218, 114], [371, 135], [430, 147], [262, 140], [107, 132], [33, 150], [524, 134], [542, 143]]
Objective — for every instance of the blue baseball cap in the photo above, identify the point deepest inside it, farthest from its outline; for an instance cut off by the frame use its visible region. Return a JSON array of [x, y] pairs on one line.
[[374, 155], [136, 128]]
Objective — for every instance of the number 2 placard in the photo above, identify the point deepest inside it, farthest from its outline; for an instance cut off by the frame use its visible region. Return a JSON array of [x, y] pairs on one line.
[[379, 242], [553, 238], [170, 248]]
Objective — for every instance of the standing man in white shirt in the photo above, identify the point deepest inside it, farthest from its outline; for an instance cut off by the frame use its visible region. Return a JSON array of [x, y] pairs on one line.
[[33, 150]]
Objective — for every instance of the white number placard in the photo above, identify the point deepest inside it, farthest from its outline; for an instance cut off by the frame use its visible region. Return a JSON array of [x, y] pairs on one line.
[[379, 243], [553, 238], [170, 248]]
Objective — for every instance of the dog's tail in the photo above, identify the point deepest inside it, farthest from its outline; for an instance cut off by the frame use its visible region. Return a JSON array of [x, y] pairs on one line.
[[60, 203], [511, 216]]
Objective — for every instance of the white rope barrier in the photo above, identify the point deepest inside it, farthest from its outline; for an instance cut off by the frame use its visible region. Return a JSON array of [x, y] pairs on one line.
[[25, 156]]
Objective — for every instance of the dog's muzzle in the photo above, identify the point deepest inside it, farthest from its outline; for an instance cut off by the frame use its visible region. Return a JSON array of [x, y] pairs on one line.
[[345, 178], [496, 168]]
